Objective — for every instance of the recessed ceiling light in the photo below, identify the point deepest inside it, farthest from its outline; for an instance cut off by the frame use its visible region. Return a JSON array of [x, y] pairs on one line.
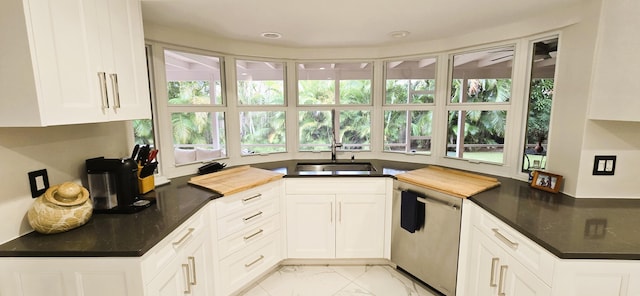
[[399, 34], [271, 35]]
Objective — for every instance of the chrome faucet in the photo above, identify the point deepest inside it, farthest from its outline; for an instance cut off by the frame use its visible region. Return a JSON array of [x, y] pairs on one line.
[[334, 145]]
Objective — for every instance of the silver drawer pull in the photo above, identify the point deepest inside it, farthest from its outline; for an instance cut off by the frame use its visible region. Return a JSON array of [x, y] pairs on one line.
[[116, 90], [185, 272], [494, 263], [103, 89], [504, 239], [248, 237], [192, 263], [252, 216], [248, 199], [184, 237], [503, 273], [254, 261]]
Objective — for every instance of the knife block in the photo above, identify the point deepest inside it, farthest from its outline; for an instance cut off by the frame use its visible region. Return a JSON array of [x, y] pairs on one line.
[[145, 184]]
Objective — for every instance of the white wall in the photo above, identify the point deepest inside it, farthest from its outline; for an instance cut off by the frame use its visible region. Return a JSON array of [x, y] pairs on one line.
[[61, 150], [611, 138]]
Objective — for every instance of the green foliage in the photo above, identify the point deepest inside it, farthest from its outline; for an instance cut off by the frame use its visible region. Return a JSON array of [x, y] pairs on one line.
[[262, 128], [540, 100], [261, 92]]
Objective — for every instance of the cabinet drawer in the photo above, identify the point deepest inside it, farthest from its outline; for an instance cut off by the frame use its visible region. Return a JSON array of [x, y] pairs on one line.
[[242, 267], [534, 257], [336, 186], [247, 218], [167, 249], [228, 205], [249, 237]]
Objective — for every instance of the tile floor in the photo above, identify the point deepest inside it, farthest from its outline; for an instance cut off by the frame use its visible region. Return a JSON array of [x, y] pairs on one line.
[[337, 280]]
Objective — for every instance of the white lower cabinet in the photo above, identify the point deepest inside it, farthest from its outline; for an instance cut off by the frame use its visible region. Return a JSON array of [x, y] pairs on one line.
[[346, 221], [178, 264], [495, 259], [575, 277], [70, 277], [247, 236], [188, 273], [495, 272]]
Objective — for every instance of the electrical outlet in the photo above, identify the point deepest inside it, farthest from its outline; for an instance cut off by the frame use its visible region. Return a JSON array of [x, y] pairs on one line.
[[604, 165], [39, 182]]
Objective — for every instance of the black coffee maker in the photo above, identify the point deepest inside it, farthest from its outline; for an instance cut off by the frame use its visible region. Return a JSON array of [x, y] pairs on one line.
[[113, 185]]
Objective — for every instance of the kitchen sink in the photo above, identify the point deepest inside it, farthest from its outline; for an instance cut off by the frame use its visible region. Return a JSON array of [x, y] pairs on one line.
[[335, 167]]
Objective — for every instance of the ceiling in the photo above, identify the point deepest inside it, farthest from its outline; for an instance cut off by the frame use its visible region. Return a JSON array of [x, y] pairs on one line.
[[341, 23]]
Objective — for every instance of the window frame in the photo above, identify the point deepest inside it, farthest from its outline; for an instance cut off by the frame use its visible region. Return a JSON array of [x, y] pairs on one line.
[[507, 107]]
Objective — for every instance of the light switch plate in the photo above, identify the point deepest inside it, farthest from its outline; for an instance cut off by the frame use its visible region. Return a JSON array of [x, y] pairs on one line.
[[39, 182], [604, 165]]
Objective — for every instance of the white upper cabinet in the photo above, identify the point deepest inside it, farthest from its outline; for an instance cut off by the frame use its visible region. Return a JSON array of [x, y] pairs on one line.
[[617, 63], [72, 61]]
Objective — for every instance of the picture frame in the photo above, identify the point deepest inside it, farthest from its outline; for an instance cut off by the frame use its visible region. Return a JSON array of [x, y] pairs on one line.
[[546, 181]]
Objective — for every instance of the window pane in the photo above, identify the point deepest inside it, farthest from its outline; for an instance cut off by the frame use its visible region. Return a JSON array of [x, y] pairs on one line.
[[355, 92], [260, 83], [198, 136], [262, 132], [314, 130], [192, 79], [316, 92], [355, 130], [334, 83], [476, 135], [543, 66], [410, 81], [483, 76], [412, 138], [143, 132]]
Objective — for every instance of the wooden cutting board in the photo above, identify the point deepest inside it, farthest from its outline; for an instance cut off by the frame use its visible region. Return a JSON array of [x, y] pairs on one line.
[[449, 181], [230, 181]]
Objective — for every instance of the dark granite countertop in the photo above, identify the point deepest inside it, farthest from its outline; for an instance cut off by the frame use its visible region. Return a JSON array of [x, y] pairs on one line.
[[118, 235], [570, 228]]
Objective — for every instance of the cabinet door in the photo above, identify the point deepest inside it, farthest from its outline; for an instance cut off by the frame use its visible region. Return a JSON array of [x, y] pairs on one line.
[[482, 275], [125, 61], [360, 226], [311, 226], [66, 60], [617, 63], [197, 257], [171, 281], [520, 281]]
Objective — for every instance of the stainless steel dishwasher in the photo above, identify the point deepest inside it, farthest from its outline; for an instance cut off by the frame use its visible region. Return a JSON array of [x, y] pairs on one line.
[[430, 253]]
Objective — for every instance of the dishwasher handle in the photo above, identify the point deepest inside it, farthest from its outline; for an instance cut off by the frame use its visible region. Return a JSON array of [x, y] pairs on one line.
[[426, 199]]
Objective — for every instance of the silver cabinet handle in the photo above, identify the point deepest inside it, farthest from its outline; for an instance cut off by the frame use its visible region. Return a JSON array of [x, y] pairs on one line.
[[504, 239], [339, 212], [494, 263], [331, 213], [192, 263], [103, 90], [248, 199], [248, 237], [247, 265], [116, 90], [246, 219], [503, 273], [184, 237], [185, 272]]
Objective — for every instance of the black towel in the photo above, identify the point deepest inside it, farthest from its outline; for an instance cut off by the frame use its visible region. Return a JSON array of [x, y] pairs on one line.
[[411, 212]]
